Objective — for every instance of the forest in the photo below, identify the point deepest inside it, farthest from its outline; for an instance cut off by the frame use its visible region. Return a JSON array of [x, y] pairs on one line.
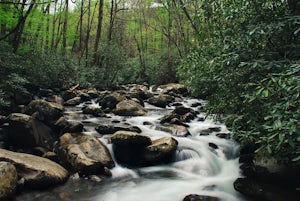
[[242, 56]]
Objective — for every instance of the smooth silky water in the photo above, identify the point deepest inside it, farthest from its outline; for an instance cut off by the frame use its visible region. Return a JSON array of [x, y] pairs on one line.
[[197, 168]]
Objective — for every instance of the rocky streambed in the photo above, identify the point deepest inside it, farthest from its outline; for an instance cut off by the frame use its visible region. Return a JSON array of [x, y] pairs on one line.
[[134, 143]]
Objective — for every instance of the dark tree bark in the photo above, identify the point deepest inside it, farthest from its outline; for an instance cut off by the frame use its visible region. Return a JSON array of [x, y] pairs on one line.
[[18, 31], [65, 27], [99, 30]]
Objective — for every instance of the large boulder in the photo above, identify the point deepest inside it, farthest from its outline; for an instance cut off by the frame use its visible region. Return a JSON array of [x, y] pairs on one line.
[[173, 88], [128, 147], [8, 180], [93, 110], [179, 115], [111, 100], [161, 150], [37, 172], [175, 130], [130, 108], [161, 100], [45, 111], [261, 190], [62, 125], [73, 101], [25, 131], [195, 197], [84, 154], [111, 129]]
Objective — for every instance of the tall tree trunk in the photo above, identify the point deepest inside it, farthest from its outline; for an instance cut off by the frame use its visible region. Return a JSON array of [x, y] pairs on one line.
[[53, 25], [80, 52], [88, 34], [98, 34], [47, 28], [64, 33], [21, 24], [111, 20]]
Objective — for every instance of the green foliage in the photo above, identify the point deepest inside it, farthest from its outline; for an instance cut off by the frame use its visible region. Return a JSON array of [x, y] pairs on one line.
[[247, 66]]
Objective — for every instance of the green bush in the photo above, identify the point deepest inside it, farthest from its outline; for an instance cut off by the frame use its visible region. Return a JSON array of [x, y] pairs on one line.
[[247, 67]]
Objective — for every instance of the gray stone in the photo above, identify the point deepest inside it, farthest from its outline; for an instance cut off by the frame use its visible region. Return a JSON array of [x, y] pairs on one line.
[[8, 180], [84, 154], [38, 172]]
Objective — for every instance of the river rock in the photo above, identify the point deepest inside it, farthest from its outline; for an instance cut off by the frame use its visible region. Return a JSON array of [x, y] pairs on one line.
[[45, 111], [37, 172], [195, 197], [67, 95], [111, 129], [25, 131], [73, 101], [84, 154], [161, 100], [179, 115], [22, 98], [8, 180], [161, 150], [175, 130], [93, 110], [111, 100], [130, 108], [62, 125], [174, 88], [128, 147]]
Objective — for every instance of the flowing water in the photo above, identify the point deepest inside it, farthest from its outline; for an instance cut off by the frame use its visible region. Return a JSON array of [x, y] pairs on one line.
[[204, 165]]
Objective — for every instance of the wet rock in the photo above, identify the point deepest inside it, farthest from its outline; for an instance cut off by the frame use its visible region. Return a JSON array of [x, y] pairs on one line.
[[213, 145], [195, 197], [161, 100], [38, 172], [93, 93], [130, 138], [174, 88], [25, 131], [51, 156], [45, 111], [258, 190], [84, 96], [161, 150], [111, 129], [64, 126], [67, 95], [175, 130], [8, 180], [179, 115], [223, 135], [111, 100], [22, 98], [93, 110], [84, 154], [73, 101], [128, 147], [130, 108]]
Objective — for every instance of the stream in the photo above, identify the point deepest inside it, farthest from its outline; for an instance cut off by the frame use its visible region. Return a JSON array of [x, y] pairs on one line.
[[204, 164]]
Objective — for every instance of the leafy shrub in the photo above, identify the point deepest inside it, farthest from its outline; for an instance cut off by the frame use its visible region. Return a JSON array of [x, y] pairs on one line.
[[247, 67]]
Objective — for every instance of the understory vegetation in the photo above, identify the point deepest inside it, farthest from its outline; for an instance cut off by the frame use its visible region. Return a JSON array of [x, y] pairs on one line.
[[242, 56]]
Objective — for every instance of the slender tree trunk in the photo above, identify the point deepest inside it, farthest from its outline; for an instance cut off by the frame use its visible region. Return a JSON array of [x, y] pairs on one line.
[[80, 52], [47, 29], [21, 24], [65, 27], [111, 20], [99, 30], [88, 34], [54, 25]]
